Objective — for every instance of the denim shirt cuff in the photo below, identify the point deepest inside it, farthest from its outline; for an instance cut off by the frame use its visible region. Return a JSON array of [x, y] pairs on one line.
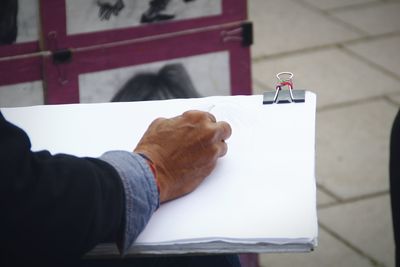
[[141, 193]]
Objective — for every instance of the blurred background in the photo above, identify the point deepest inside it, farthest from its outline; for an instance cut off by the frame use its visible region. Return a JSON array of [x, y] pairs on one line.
[[348, 53]]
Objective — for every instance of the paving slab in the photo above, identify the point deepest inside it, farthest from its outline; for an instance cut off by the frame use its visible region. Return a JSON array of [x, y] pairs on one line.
[[258, 89], [366, 224], [373, 19], [395, 98], [334, 75], [324, 199], [283, 25], [353, 148], [329, 253], [383, 51], [332, 4]]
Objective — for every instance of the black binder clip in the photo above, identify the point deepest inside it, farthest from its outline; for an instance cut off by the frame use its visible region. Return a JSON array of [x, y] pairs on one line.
[[284, 96], [243, 34]]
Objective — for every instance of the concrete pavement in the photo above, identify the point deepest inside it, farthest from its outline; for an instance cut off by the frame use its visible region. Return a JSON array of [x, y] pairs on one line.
[[348, 52]]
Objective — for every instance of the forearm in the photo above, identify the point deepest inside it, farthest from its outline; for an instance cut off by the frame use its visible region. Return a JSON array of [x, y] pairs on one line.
[[54, 206], [66, 207]]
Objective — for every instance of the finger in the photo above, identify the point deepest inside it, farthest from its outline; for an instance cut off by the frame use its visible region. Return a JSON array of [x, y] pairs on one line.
[[101, 11], [224, 130], [192, 115], [223, 149], [157, 122], [199, 116], [211, 116]]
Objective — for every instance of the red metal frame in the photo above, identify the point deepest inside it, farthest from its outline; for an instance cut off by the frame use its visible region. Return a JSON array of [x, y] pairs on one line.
[[55, 20], [141, 52], [142, 44], [20, 69]]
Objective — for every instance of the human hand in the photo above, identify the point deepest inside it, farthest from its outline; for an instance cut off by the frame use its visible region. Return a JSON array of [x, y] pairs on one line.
[[184, 150]]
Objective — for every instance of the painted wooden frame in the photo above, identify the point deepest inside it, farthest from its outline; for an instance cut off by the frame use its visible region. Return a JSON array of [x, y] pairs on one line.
[[62, 79]]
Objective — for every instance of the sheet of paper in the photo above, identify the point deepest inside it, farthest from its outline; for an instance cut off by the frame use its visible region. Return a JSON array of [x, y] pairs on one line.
[[263, 189]]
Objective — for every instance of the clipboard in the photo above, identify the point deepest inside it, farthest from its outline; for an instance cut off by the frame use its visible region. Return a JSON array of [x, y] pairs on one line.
[[261, 198]]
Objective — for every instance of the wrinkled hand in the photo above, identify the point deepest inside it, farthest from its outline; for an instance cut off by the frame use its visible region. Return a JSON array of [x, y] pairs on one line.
[[184, 150]]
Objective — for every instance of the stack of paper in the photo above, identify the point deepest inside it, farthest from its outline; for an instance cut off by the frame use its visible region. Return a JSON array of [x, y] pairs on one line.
[[260, 198]]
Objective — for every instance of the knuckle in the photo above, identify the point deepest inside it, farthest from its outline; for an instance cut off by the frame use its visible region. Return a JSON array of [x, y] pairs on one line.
[[158, 121], [191, 113], [195, 115]]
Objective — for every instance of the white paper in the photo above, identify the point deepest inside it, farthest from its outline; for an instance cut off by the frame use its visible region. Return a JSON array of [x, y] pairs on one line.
[[263, 190]]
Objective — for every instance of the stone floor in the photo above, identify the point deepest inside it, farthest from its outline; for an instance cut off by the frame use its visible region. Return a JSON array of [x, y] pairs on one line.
[[348, 53]]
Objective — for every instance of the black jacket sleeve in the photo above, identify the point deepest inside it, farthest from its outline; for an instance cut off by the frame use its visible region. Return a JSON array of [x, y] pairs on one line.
[[394, 168], [53, 207]]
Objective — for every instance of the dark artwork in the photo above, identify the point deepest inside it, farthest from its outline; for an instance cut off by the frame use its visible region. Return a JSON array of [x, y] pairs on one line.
[[171, 81], [107, 9], [153, 14], [8, 21]]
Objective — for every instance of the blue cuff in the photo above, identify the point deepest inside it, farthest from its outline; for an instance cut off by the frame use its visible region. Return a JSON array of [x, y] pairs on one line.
[[141, 194]]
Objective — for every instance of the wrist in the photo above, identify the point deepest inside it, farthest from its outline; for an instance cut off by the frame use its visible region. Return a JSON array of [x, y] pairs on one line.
[[152, 167]]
